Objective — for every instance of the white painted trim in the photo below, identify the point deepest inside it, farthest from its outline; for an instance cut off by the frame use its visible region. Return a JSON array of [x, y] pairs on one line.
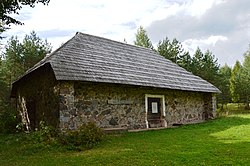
[[146, 111], [162, 97]]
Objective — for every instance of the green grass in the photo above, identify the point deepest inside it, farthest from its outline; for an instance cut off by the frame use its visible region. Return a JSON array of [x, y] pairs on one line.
[[224, 141]]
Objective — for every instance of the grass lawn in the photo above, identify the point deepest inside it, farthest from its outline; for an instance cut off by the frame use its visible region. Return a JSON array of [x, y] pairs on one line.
[[224, 141]]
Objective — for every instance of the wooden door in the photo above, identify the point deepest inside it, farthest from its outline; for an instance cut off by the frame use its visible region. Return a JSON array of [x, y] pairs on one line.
[[154, 112]]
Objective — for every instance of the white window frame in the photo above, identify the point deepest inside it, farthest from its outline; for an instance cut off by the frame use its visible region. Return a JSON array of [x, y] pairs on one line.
[[162, 100]]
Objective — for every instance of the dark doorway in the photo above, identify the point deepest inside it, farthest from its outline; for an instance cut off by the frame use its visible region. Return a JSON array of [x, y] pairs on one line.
[[31, 108], [154, 112]]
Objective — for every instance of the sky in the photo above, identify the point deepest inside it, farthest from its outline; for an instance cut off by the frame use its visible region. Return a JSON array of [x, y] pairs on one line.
[[221, 26]]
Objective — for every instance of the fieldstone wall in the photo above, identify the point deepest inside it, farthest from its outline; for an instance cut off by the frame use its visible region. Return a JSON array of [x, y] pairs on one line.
[[82, 102], [67, 110], [184, 107], [123, 106]]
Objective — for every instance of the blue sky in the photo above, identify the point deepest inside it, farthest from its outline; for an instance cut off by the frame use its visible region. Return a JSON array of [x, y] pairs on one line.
[[222, 26]]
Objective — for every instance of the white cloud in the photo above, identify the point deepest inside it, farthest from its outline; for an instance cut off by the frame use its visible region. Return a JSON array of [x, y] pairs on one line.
[[103, 17], [222, 26], [211, 40], [209, 24], [192, 44], [197, 7], [107, 18]]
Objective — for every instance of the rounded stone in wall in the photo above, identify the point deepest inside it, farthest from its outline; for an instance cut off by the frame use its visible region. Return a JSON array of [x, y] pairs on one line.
[[113, 121]]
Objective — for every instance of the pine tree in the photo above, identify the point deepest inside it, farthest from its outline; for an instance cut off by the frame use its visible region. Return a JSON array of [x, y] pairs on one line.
[[33, 50], [174, 52], [206, 66], [235, 82], [224, 79], [142, 39]]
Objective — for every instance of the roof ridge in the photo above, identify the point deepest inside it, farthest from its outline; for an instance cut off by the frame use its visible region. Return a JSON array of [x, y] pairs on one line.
[[61, 46], [111, 40]]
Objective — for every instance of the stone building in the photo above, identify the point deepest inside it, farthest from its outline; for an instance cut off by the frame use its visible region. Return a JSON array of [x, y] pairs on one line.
[[117, 85]]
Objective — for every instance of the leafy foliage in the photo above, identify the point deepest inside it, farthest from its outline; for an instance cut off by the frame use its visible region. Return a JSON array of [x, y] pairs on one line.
[[142, 39], [19, 57], [240, 81], [12, 61], [201, 64], [43, 135], [9, 7], [15, 60], [245, 79], [87, 136], [33, 50], [244, 83], [235, 82], [174, 51], [205, 65], [224, 79], [8, 119]]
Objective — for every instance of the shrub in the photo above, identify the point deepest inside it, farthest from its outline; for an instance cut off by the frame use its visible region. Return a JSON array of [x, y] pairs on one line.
[[45, 135], [8, 119], [87, 136]]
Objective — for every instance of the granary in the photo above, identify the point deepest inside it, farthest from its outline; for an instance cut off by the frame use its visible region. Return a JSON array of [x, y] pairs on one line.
[[114, 84]]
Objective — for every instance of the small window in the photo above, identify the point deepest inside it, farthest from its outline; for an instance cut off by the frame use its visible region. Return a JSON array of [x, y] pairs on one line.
[[154, 108]]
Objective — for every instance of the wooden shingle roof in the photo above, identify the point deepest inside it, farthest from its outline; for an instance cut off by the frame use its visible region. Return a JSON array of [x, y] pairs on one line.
[[90, 58]]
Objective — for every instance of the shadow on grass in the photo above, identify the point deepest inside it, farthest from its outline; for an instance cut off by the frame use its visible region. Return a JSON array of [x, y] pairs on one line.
[[221, 141], [235, 129], [216, 142]]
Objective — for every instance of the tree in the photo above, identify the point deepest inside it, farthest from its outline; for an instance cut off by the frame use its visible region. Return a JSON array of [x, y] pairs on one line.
[[246, 62], [196, 65], [164, 48], [243, 80], [235, 82], [142, 39], [224, 86], [185, 61], [33, 50], [210, 68], [12, 63], [19, 57], [174, 52], [16, 59], [7, 73], [2, 29], [245, 75], [206, 66], [9, 7], [3, 84], [240, 81]]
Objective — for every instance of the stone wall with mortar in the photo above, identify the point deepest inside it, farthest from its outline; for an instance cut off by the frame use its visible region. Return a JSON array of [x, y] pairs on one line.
[[123, 106]]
